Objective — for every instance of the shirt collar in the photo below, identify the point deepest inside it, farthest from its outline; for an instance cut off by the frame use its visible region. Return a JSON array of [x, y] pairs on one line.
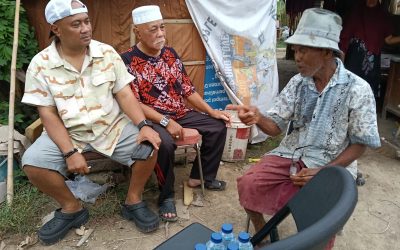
[[339, 77], [55, 59]]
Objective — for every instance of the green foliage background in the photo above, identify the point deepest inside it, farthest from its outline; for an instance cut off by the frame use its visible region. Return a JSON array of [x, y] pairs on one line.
[[27, 48]]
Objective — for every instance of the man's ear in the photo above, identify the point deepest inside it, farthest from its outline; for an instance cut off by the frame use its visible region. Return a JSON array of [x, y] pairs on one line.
[[54, 28], [136, 31]]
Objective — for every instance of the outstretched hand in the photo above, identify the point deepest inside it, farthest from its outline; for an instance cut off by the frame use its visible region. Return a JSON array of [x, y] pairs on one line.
[[249, 115]]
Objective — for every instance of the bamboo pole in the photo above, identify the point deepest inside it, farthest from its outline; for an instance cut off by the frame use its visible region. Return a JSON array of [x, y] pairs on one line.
[[10, 161]]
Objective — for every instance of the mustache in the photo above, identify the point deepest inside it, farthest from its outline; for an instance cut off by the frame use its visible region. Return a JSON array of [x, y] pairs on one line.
[[160, 41]]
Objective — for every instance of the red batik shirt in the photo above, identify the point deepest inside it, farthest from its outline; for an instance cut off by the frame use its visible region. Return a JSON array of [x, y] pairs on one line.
[[160, 82]]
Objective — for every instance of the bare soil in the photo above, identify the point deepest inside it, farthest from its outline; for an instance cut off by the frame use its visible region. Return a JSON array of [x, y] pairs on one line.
[[374, 224]]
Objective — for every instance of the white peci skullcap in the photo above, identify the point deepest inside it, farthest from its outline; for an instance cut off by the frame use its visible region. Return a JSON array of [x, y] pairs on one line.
[[146, 14]]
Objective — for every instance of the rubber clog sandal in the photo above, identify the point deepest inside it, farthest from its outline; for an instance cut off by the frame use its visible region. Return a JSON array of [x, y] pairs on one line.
[[144, 219], [215, 185], [168, 206], [56, 229]]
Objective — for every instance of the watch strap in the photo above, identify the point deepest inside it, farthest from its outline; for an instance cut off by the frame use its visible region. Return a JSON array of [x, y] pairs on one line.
[[145, 123]]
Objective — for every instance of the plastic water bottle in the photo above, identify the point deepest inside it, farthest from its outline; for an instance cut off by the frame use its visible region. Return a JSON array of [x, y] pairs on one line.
[[244, 241], [200, 246], [215, 242], [227, 234], [233, 245]]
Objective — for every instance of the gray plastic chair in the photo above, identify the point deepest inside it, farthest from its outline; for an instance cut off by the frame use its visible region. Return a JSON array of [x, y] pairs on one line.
[[320, 209]]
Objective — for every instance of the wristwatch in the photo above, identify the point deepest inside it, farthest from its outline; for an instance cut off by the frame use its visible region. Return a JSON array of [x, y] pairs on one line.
[[164, 121], [145, 123]]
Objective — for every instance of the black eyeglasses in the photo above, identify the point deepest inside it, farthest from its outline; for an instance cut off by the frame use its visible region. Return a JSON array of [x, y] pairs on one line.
[[293, 164]]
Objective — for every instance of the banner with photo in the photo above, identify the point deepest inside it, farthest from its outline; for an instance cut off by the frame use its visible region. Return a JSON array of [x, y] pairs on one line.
[[240, 38]]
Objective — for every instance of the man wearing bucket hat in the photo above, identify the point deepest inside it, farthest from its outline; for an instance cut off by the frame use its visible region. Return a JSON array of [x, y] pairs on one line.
[[331, 113], [80, 86], [162, 87]]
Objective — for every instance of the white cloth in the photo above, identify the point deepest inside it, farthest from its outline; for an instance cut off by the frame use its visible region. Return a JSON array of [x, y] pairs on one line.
[[146, 14], [240, 38]]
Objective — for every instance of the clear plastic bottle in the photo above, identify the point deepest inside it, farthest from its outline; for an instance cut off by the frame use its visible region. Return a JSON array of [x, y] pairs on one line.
[[227, 234], [244, 241], [200, 246], [215, 242], [233, 245]]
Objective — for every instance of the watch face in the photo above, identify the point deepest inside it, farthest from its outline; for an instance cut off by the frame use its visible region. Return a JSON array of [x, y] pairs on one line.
[[164, 121]]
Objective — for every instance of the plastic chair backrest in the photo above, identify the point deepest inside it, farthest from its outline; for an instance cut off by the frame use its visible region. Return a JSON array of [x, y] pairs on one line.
[[320, 209]]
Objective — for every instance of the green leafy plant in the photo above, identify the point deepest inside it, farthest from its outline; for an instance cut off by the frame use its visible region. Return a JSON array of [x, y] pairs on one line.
[[27, 44], [27, 48]]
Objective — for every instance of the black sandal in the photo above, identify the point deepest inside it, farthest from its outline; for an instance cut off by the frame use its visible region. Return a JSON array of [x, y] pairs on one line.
[[168, 206], [56, 228], [144, 219], [215, 185]]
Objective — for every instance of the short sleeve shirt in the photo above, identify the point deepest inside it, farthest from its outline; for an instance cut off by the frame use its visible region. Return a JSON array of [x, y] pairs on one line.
[[160, 82], [84, 100], [325, 123]]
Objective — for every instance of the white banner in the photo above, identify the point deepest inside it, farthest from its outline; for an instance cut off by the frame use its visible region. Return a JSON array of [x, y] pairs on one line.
[[240, 37]]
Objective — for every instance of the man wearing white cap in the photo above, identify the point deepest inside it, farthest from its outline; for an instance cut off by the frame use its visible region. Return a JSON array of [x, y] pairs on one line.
[[162, 87], [80, 86], [331, 113]]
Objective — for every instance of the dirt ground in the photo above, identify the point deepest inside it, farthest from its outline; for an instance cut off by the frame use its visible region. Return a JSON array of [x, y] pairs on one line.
[[375, 223]]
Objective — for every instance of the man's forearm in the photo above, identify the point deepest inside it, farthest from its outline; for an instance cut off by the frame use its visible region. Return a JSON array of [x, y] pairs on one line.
[[268, 126], [199, 104], [350, 154], [55, 128], [130, 105]]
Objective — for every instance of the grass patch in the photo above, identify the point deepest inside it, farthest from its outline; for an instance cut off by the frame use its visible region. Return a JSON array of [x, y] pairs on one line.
[[25, 212]]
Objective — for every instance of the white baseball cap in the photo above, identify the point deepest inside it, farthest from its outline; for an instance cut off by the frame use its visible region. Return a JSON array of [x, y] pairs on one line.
[[59, 9], [318, 28], [146, 14]]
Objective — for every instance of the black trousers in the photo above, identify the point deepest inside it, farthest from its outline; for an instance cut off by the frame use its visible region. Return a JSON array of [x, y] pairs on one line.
[[213, 133]]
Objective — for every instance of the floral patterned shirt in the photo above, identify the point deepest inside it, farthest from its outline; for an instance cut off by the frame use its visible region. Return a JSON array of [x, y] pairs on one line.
[[325, 123], [160, 82]]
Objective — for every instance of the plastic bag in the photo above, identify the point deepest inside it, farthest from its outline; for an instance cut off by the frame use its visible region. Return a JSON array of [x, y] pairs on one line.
[[86, 190]]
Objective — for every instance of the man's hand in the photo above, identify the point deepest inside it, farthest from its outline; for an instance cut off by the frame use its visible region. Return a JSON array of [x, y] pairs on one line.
[[221, 115], [148, 134], [77, 164], [175, 129], [305, 175], [249, 115]]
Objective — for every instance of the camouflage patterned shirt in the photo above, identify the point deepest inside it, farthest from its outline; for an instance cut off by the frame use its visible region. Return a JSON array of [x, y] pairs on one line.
[[84, 100]]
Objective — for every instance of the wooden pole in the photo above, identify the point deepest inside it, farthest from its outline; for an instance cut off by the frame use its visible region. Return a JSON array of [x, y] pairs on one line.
[[10, 160]]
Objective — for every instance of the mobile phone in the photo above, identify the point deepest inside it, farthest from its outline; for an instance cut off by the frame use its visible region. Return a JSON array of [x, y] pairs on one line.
[[143, 151]]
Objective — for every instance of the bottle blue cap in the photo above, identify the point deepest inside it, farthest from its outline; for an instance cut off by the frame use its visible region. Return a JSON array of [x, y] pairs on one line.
[[243, 237], [216, 237], [233, 246], [227, 228], [200, 246]]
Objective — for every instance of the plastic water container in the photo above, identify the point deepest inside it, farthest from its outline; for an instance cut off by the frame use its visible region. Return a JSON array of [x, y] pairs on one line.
[[215, 242], [200, 246], [237, 138], [233, 246], [227, 234], [244, 241]]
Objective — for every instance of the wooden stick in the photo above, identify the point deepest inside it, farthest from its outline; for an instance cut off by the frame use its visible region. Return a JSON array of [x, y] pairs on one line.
[[85, 237], [10, 162]]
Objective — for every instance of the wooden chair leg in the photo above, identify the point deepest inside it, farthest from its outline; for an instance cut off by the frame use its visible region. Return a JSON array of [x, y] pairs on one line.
[[247, 223]]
